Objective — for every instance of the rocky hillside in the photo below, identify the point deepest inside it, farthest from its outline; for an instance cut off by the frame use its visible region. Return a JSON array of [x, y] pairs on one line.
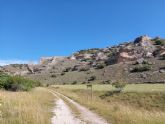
[[139, 61]]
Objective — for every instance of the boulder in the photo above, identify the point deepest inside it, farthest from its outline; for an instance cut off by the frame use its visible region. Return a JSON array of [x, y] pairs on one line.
[[162, 70], [140, 61]]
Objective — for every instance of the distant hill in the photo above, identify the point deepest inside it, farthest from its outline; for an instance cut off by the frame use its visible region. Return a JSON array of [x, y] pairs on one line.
[[139, 61]]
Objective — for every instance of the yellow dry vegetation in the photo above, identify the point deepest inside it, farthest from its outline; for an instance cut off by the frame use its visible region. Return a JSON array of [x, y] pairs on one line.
[[33, 107]]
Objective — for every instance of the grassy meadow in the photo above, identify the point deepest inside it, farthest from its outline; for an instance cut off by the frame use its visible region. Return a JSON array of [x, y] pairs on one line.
[[136, 104], [33, 107], [128, 88]]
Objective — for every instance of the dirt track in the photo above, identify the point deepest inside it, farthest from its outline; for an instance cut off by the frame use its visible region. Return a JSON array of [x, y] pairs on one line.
[[64, 115]]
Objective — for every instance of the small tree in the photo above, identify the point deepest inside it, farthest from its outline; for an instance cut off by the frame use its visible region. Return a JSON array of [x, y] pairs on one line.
[[74, 82], [92, 78], [62, 73], [119, 86], [53, 75], [100, 66]]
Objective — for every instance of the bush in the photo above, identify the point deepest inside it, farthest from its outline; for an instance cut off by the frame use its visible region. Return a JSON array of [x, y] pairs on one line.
[[146, 62], [74, 82], [47, 85], [83, 82], [106, 82], [119, 86], [92, 78], [16, 83], [3, 79], [63, 73], [53, 75], [160, 42], [67, 69], [100, 66], [141, 68]]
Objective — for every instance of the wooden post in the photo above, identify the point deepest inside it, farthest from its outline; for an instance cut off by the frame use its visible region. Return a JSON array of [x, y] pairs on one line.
[[90, 86], [91, 93]]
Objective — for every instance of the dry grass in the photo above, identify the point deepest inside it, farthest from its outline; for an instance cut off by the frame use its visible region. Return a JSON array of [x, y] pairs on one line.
[[32, 107], [129, 87], [115, 112]]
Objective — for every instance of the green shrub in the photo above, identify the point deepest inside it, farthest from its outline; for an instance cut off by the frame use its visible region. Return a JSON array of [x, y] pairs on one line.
[[100, 66], [141, 68], [67, 69], [53, 75], [92, 78], [16, 83], [89, 51], [3, 79], [83, 82], [145, 62], [106, 82], [63, 73], [47, 85], [160, 42], [74, 82], [119, 86]]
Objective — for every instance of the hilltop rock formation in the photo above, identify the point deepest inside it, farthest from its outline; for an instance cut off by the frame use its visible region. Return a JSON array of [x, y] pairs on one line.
[[139, 61], [142, 47]]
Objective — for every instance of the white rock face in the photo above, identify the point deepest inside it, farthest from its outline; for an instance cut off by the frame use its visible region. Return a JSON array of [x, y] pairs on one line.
[[51, 60], [45, 60], [73, 57], [162, 54], [57, 59], [125, 56], [87, 56], [101, 56], [149, 55]]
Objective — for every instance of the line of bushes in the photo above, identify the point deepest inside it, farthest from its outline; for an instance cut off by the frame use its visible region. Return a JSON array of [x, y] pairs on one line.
[[141, 68], [16, 83]]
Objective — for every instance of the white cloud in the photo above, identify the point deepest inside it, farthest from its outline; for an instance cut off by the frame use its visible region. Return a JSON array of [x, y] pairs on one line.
[[16, 61]]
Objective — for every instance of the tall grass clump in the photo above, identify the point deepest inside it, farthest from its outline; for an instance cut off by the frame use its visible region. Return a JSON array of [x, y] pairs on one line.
[[33, 107]]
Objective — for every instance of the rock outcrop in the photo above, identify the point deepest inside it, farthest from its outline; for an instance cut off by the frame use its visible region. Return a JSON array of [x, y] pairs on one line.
[[144, 56], [51, 60]]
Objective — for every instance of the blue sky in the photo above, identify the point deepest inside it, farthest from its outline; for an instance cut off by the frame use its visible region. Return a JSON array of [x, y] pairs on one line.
[[30, 29]]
